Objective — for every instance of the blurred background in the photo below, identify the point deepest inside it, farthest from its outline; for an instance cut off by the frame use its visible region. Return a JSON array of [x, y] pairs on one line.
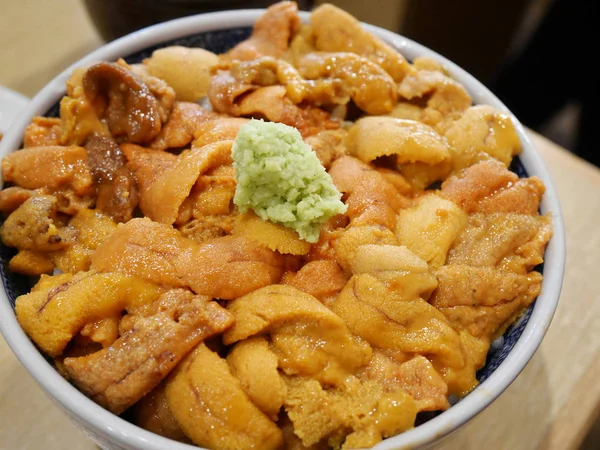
[[536, 55]]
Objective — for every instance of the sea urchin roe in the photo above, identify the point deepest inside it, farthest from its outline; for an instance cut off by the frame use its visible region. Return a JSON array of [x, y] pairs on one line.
[[282, 180]]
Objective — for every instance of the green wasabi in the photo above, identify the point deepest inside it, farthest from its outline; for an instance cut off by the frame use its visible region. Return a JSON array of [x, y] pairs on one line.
[[282, 180]]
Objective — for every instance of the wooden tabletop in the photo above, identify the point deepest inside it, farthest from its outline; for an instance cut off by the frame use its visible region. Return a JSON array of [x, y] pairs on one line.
[[550, 406]]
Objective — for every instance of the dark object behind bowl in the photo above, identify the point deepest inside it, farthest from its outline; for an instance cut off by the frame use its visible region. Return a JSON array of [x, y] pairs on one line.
[[116, 18]]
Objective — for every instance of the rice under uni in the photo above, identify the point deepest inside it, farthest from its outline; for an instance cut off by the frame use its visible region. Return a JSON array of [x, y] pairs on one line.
[[282, 180]]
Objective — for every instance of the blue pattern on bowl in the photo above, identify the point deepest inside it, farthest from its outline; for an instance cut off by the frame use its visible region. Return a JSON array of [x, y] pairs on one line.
[[220, 41]]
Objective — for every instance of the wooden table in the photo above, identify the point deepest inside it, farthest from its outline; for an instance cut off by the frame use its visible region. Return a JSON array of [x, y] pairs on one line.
[[551, 405]]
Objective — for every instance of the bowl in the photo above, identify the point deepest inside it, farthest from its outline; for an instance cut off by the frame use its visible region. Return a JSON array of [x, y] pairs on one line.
[[219, 32], [11, 104]]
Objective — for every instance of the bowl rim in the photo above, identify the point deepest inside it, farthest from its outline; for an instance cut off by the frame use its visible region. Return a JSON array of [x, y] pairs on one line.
[[98, 421]]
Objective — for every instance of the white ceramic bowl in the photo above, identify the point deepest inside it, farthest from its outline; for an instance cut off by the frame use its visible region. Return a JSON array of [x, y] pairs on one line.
[[112, 432], [11, 104]]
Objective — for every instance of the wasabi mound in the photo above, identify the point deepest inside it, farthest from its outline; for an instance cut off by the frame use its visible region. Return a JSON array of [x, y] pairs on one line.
[[282, 180]]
